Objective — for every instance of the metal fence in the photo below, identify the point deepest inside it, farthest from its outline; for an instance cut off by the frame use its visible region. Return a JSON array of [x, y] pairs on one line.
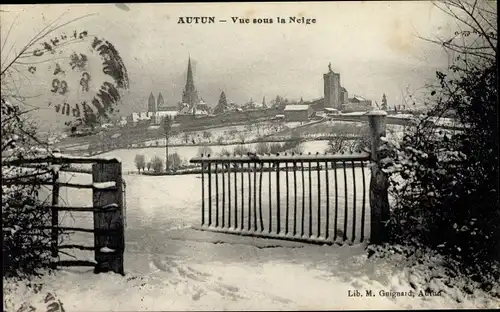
[[311, 198]]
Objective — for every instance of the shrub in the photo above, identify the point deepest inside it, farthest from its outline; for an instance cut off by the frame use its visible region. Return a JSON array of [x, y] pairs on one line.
[[207, 135], [224, 153], [157, 164], [241, 150], [26, 248], [174, 161], [140, 162], [361, 144], [185, 137], [232, 133], [275, 148], [336, 145], [297, 149], [242, 137], [262, 148], [444, 182], [204, 150]]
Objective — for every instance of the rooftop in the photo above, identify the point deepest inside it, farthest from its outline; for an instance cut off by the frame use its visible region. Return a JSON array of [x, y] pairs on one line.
[[296, 107]]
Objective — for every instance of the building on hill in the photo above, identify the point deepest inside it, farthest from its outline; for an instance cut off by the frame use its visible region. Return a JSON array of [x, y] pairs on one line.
[[233, 107], [152, 105], [298, 112], [344, 96], [190, 95], [331, 89], [150, 117], [253, 105], [199, 109], [357, 104], [134, 118], [334, 94], [202, 108], [336, 97], [191, 104]]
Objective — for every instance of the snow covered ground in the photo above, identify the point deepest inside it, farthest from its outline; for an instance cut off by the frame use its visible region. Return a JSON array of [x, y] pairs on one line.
[[172, 267], [231, 134], [187, 152]]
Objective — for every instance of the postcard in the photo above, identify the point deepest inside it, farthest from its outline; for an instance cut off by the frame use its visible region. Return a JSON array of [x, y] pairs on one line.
[[249, 156]]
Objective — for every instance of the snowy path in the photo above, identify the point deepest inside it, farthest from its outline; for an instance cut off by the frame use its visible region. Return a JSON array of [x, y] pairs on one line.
[[172, 267]]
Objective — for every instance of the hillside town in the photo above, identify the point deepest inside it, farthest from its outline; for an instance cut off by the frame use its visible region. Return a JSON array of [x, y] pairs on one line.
[[193, 109]]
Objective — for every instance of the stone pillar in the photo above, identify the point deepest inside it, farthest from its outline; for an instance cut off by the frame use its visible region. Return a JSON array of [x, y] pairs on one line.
[[379, 184]]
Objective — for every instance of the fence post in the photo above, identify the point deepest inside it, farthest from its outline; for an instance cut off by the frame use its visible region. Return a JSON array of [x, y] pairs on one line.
[[109, 238], [379, 199], [55, 219]]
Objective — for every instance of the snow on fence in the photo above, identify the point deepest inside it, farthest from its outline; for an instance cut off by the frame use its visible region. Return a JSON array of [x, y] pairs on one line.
[[311, 198], [108, 209]]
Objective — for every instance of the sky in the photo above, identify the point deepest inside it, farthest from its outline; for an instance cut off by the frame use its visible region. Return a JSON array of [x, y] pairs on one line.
[[375, 46]]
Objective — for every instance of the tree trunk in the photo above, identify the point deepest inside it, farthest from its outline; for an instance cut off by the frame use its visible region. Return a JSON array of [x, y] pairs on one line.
[[166, 153]]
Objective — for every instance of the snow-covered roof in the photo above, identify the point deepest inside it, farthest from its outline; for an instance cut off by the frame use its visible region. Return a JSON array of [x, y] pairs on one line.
[[200, 112], [140, 116], [354, 114], [296, 107], [403, 116], [329, 109], [359, 98], [166, 113]]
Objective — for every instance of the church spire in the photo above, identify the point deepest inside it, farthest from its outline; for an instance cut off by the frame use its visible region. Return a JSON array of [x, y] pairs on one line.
[[190, 96], [190, 81]]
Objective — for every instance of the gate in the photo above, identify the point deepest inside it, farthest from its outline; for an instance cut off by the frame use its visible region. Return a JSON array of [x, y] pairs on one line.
[[107, 207], [321, 199]]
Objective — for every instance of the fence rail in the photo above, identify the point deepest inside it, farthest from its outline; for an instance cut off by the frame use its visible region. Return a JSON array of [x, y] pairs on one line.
[[108, 190]]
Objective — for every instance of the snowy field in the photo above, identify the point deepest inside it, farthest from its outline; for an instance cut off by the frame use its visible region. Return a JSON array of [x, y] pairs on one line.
[[231, 134], [127, 156], [172, 267]]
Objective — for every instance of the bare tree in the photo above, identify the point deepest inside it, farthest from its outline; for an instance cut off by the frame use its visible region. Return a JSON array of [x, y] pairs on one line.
[[167, 129], [55, 46], [476, 37], [21, 211]]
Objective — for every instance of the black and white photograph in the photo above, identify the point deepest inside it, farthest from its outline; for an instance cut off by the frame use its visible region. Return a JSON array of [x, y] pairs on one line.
[[274, 156]]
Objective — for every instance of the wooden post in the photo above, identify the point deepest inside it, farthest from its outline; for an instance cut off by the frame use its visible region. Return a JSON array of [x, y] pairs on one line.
[[379, 199], [55, 219], [124, 201], [109, 238]]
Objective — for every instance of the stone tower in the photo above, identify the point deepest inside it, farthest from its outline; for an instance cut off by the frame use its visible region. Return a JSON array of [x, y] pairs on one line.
[[332, 89], [152, 103], [190, 95]]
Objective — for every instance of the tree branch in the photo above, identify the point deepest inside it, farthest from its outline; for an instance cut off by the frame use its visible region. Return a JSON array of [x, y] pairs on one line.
[[42, 35]]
